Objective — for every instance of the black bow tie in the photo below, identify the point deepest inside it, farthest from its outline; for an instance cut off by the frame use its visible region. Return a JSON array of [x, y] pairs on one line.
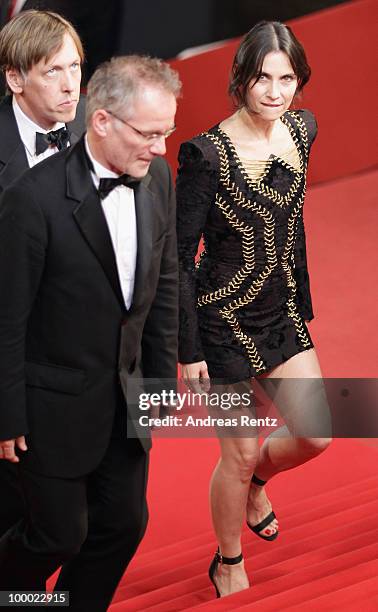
[[56, 138], [108, 184]]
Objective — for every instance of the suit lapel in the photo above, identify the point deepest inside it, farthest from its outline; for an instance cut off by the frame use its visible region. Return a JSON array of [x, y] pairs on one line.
[[89, 215], [12, 151], [92, 223], [15, 166], [144, 206]]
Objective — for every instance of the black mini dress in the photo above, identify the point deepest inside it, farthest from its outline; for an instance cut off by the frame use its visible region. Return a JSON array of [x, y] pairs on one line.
[[244, 304]]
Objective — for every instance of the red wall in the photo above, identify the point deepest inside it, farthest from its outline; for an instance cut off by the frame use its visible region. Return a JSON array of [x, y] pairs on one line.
[[343, 90]]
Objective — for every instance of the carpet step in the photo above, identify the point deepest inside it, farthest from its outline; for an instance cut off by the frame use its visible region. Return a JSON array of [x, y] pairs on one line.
[[294, 516], [358, 596], [280, 575], [334, 495], [273, 595], [299, 596], [333, 527]]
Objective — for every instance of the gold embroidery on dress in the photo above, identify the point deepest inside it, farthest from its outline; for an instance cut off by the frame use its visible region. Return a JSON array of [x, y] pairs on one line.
[[257, 167], [258, 184]]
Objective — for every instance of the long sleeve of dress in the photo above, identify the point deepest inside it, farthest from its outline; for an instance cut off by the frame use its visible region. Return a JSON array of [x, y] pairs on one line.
[[195, 188], [304, 301]]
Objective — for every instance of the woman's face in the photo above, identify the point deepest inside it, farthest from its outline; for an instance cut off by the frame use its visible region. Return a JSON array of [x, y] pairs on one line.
[[271, 94]]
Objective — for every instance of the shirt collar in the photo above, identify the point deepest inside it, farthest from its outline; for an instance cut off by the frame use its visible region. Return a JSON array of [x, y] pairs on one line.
[[99, 171], [28, 128]]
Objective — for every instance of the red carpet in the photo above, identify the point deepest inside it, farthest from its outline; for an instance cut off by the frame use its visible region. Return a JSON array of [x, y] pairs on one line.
[[328, 541], [341, 223]]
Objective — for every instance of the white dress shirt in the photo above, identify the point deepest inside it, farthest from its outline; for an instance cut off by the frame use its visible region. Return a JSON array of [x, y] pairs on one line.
[[28, 129], [119, 211]]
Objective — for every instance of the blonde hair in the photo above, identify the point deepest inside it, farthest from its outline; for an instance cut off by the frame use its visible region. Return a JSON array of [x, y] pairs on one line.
[[33, 35]]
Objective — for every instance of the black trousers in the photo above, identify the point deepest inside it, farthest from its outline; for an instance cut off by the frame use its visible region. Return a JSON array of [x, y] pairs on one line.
[[12, 503], [91, 526]]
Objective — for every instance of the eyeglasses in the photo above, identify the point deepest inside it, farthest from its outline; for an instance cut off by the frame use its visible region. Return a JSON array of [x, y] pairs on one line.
[[148, 136]]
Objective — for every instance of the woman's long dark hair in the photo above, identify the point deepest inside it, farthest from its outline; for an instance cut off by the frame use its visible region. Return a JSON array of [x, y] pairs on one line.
[[264, 37]]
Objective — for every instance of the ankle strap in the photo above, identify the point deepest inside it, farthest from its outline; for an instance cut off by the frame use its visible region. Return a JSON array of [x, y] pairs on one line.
[[258, 481], [228, 560]]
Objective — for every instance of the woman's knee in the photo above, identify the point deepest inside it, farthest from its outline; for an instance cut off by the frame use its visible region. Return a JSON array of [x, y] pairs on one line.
[[313, 446], [241, 461]]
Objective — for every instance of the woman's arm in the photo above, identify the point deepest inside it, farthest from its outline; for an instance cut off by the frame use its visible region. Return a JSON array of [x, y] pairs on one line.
[[196, 188], [302, 279]]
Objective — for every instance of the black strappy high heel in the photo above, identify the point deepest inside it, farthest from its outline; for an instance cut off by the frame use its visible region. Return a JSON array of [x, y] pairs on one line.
[[265, 522], [218, 558]]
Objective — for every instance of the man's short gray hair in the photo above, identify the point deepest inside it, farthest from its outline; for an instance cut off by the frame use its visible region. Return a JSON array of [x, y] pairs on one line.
[[116, 83]]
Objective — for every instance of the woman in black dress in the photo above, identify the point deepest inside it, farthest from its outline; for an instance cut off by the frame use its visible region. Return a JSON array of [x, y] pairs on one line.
[[245, 306]]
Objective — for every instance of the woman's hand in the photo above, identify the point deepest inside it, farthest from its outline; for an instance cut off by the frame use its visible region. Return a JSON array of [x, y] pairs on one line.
[[196, 376]]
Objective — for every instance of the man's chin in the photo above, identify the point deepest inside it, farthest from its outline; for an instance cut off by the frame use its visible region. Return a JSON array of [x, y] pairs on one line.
[[141, 170], [67, 115]]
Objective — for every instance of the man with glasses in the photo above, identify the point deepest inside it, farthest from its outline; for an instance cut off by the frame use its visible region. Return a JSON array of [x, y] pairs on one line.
[[88, 253]]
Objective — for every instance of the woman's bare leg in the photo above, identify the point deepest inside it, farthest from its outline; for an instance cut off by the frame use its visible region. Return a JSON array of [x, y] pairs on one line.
[[229, 488], [283, 452]]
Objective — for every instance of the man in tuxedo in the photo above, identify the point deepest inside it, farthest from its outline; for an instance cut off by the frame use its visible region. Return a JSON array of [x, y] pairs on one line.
[[88, 259], [42, 71], [41, 55]]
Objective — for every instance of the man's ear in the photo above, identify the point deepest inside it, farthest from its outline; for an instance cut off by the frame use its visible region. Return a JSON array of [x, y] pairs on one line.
[[100, 122], [15, 80]]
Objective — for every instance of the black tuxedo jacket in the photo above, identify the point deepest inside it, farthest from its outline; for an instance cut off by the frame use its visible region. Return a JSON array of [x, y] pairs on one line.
[[13, 160], [67, 344]]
